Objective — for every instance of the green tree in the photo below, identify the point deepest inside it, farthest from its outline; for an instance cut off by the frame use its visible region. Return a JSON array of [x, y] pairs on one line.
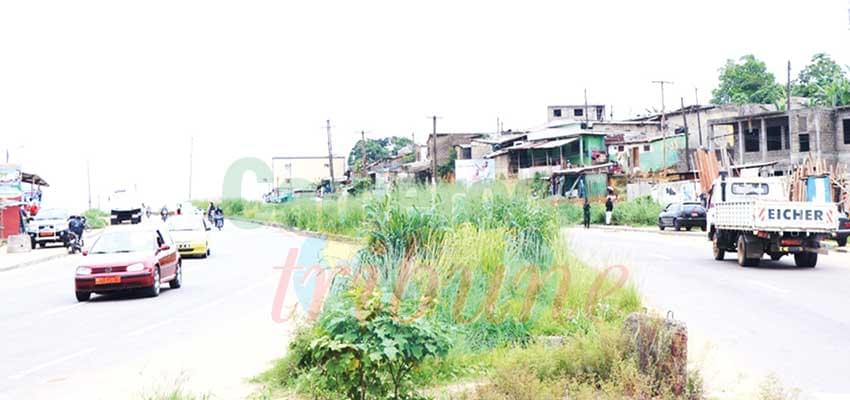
[[376, 149], [821, 72], [746, 81]]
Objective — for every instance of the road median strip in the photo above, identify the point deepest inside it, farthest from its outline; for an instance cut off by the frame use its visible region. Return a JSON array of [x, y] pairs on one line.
[[302, 232]]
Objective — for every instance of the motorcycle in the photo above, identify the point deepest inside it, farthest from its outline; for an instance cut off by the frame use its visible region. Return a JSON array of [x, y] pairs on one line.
[[219, 221], [164, 214], [75, 243]]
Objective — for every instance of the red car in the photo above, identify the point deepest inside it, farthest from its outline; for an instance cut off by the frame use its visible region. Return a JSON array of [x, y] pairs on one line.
[[129, 257]]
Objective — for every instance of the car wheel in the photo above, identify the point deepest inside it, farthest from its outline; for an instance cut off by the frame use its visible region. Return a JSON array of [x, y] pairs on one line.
[[208, 251], [42, 244], [719, 254], [841, 241], [688, 228], [742, 254], [676, 225], [154, 290], [806, 259], [776, 256], [661, 227], [83, 296], [702, 227], [178, 277]]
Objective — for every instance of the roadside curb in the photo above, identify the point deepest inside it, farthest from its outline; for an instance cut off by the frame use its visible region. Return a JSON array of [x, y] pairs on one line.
[[52, 257], [317, 235], [627, 228], [33, 262]]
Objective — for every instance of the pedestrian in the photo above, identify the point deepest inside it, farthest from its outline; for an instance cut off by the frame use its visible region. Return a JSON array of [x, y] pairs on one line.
[[609, 209], [586, 214]]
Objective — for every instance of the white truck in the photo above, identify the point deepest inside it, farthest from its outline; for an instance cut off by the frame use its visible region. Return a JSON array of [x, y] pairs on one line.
[[124, 206], [752, 216]]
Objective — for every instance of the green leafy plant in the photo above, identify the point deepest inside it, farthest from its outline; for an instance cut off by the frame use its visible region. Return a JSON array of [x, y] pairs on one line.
[[371, 354]]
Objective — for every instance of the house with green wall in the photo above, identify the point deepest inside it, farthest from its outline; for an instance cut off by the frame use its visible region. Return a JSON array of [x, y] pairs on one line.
[[648, 154]]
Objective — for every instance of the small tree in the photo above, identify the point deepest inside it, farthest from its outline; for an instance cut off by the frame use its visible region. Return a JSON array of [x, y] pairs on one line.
[[747, 81], [821, 73]]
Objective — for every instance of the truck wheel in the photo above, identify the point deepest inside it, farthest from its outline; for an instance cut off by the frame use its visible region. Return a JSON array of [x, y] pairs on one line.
[[841, 241], [742, 254], [719, 254], [806, 259]]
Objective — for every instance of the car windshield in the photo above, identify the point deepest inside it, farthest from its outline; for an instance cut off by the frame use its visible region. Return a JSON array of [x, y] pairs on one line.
[[750, 189], [192, 223], [123, 242], [51, 214], [693, 208]]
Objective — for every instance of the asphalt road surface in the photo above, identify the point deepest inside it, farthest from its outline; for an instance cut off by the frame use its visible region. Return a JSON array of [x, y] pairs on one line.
[[208, 337], [744, 323]]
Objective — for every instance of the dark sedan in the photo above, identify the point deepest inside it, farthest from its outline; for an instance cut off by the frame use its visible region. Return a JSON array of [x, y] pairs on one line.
[[682, 215], [843, 231]]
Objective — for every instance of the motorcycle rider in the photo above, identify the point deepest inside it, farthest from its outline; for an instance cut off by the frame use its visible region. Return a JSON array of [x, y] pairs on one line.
[[76, 226], [219, 217]]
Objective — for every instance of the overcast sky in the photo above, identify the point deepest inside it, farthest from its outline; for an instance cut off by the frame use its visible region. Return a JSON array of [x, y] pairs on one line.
[[126, 84]]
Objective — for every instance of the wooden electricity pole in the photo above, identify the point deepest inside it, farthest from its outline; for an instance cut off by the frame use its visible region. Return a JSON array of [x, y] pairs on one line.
[[330, 154], [699, 123], [434, 152], [363, 151], [687, 136], [663, 123]]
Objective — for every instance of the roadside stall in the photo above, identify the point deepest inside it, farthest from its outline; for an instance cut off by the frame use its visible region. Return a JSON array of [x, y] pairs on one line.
[[13, 197]]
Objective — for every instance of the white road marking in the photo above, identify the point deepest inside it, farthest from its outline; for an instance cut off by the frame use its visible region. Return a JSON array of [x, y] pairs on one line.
[[660, 256], [51, 363], [60, 309], [767, 286]]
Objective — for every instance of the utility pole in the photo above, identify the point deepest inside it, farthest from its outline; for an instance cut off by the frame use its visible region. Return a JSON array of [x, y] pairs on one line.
[[363, 152], [663, 122], [788, 112], [687, 136], [88, 177], [586, 121], [434, 152], [330, 155], [191, 151], [699, 123]]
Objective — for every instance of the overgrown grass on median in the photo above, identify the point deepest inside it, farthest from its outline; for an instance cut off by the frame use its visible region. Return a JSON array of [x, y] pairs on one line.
[[453, 286]]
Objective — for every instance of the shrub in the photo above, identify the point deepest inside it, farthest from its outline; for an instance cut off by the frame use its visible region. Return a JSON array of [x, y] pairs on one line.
[[369, 354], [96, 219]]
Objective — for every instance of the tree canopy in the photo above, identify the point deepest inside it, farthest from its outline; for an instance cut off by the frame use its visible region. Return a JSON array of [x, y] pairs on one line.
[[376, 149], [747, 81], [824, 81]]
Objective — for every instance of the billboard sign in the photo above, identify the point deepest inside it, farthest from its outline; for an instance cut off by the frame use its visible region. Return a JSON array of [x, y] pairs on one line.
[[10, 180], [474, 171]]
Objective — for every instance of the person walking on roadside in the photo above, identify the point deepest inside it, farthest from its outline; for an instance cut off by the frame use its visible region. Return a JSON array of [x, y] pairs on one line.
[[586, 214], [609, 209]]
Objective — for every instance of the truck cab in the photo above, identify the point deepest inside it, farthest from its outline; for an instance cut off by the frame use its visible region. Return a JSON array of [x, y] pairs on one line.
[[725, 190]]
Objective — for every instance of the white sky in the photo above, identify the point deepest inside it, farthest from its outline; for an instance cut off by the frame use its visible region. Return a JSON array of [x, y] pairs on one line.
[[125, 84]]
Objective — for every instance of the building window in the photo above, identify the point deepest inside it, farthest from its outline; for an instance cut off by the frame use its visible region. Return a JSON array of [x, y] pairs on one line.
[[646, 147], [466, 153], [774, 138], [802, 123], [846, 123], [751, 141], [556, 112], [578, 112], [621, 148], [804, 142]]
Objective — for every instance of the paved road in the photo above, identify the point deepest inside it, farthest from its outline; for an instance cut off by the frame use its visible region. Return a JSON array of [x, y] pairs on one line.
[[210, 336], [794, 323]]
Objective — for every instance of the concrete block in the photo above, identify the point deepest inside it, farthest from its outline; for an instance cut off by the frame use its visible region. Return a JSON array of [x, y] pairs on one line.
[[18, 244]]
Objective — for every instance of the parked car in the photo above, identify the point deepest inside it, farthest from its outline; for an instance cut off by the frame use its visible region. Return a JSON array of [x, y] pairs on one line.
[[129, 257], [190, 233], [682, 215], [843, 230], [49, 226]]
